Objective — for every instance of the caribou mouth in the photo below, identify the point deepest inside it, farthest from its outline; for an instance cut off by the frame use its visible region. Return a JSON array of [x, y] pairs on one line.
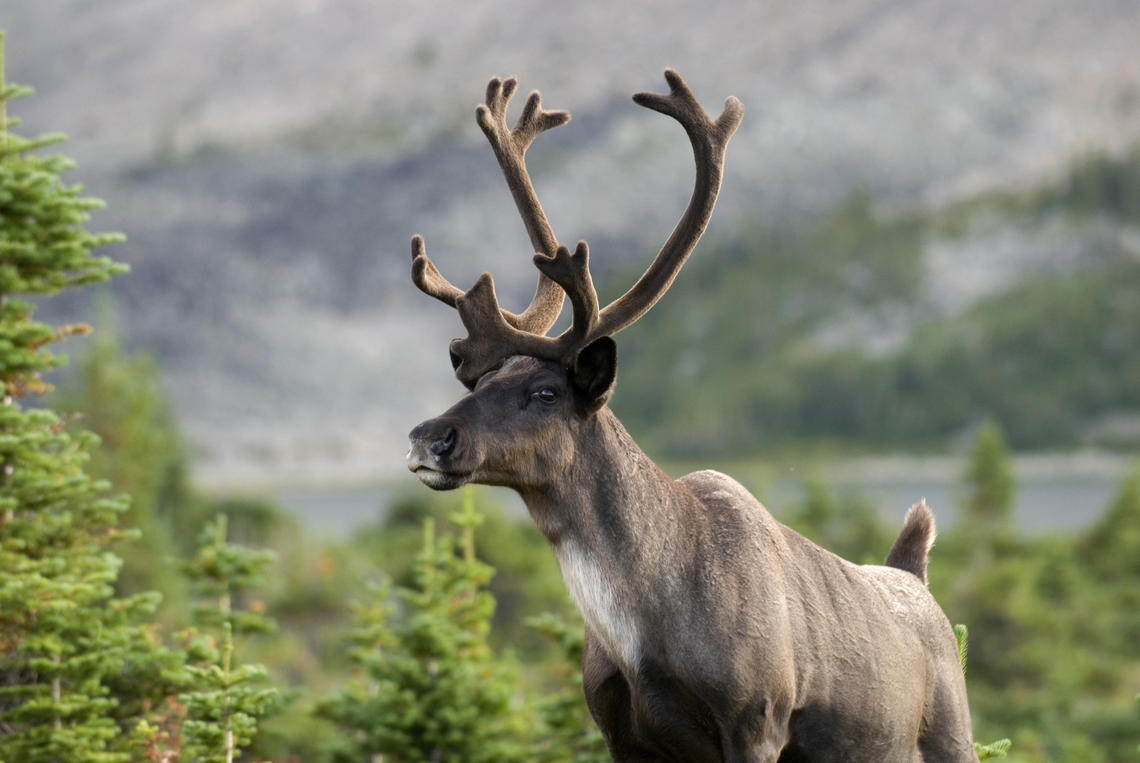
[[438, 480], [432, 475]]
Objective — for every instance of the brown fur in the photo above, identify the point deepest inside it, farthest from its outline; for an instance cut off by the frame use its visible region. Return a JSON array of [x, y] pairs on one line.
[[912, 548], [714, 633]]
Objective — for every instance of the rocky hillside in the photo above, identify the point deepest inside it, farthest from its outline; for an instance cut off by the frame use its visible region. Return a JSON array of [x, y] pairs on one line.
[[269, 159]]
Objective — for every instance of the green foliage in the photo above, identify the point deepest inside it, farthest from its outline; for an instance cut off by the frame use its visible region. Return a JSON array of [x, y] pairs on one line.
[[430, 687], [961, 635], [819, 334], [1097, 184], [120, 399], [1111, 548], [44, 247], [998, 749], [1046, 358], [78, 665], [222, 572], [224, 701], [1054, 661], [990, 479], [61, 631], [223, 709], [528, 581], [729, 367], [301, 644]]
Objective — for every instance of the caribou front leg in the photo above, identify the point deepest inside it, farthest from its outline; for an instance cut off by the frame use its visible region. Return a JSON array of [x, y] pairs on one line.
[[608, 697]]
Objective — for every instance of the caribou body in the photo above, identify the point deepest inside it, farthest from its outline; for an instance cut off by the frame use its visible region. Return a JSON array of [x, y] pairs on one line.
[[713, 632]]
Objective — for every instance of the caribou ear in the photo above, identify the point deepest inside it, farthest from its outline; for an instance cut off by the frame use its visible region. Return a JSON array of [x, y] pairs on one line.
[[455, 361], [594, 371]]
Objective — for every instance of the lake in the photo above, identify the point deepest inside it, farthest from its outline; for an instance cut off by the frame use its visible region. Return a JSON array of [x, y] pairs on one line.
[[1056, 493]]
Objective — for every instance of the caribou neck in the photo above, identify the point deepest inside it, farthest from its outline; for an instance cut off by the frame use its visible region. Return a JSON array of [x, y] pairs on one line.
[[612, 499]]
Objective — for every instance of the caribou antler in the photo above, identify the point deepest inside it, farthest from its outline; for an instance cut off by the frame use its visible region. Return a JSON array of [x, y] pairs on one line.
[[510, 149], [494, 334], [709, 141]]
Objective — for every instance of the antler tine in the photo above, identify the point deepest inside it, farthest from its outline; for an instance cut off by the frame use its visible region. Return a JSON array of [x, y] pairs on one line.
[[494, 333], [510, 148], [572, 273], [491, 338], [709, 139], [427, 277]]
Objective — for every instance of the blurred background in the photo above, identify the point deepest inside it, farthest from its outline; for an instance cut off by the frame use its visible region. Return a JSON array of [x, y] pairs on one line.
[[927, 245], [906, 174]]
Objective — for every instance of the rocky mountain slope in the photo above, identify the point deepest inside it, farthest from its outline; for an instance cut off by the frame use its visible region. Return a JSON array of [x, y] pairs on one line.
[[269, 159]]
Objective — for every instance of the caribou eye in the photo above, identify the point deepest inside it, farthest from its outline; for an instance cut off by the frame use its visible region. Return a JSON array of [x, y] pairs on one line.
[[546, 395]]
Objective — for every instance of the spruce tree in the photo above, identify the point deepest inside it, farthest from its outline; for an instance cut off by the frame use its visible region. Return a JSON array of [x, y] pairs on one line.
[[226, 699], [429, 687], [988, 507], [79, 666], [119, 397]]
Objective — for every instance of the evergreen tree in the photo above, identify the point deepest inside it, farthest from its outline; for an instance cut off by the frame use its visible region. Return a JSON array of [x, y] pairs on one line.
[[66, 641], [226, 699], [119, 397], [1111, 548], [988, 507], [429, 687], [1033, 598], [526, 581]]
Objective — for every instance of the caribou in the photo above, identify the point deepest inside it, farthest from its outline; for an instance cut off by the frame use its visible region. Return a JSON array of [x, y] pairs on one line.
[[713, 632]]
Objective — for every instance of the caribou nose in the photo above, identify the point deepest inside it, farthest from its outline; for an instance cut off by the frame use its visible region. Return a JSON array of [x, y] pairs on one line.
[[431, 441], [443, 445]]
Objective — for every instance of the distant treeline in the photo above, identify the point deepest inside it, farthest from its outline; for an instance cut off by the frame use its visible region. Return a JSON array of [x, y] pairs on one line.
[[825, 333]]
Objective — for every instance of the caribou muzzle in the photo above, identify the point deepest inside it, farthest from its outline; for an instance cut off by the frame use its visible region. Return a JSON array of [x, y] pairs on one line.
[[436, 455]]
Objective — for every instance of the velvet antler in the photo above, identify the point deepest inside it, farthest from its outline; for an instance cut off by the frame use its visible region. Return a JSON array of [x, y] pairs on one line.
[[510, 147], [493, 335]]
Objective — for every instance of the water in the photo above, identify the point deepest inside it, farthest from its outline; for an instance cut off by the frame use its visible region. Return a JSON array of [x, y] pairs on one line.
[[1042, 504], [1054, 494]]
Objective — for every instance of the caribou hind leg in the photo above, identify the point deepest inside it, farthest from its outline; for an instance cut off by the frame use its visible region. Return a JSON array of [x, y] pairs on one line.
[[948, 736]]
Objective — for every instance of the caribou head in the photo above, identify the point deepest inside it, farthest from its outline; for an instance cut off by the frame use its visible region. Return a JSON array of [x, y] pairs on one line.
[[553, 382]]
